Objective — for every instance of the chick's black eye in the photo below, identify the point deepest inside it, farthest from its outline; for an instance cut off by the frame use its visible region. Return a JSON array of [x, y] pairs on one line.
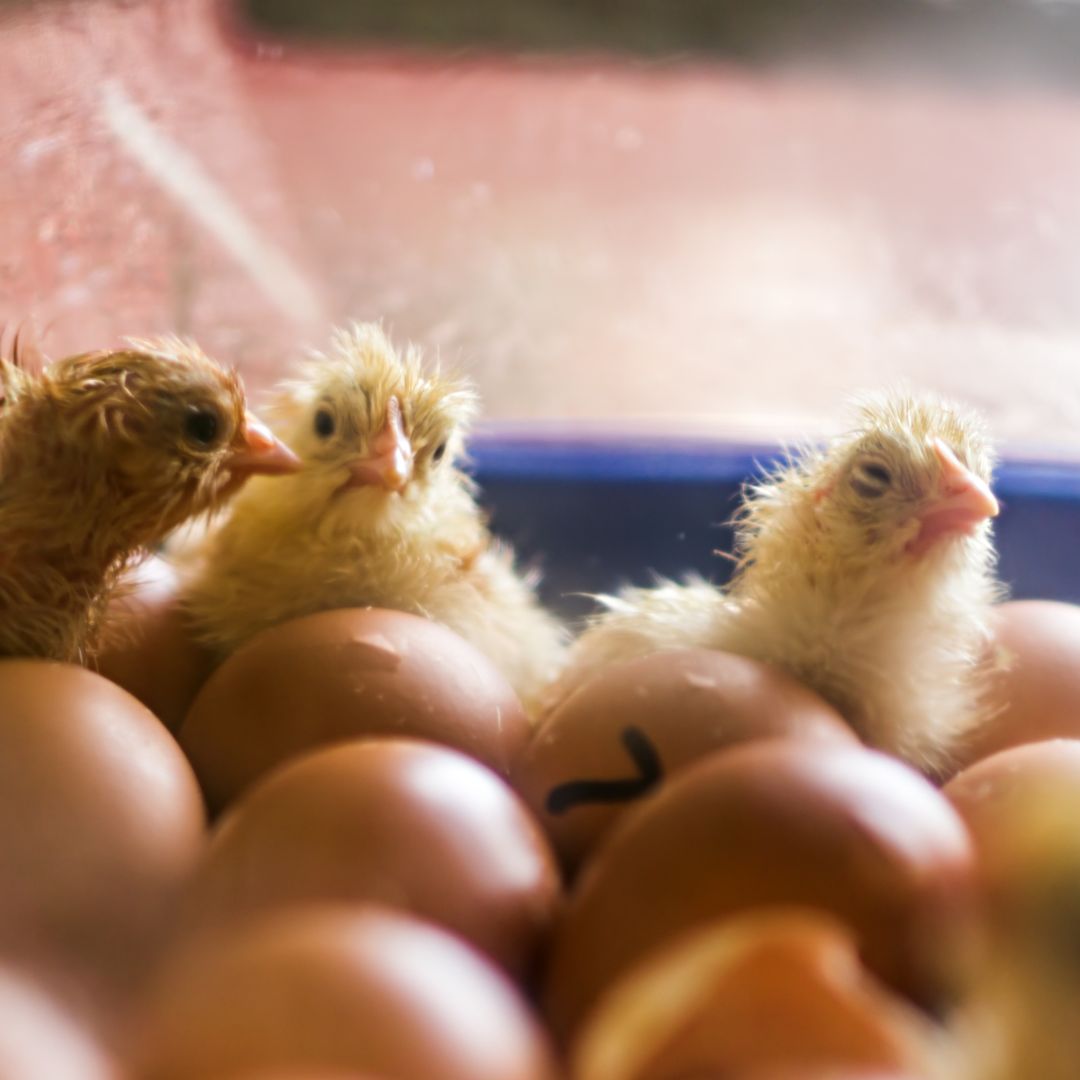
[[871, 479], [439, 451], [324, 424], [201, 426]]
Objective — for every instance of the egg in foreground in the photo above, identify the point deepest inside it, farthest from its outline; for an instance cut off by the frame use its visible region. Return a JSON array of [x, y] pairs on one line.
[[366, 990], [104, 823], [38, 1041], [346, 674], [147, 647], [773, 988], [842, 830], [1034, 694], [636, 723], [407, 824]]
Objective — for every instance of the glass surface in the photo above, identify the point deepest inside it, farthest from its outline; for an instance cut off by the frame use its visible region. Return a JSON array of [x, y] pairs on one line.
[[723, 239]]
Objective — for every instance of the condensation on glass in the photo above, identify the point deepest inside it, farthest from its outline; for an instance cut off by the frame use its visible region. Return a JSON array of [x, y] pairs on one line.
[[602, 233]]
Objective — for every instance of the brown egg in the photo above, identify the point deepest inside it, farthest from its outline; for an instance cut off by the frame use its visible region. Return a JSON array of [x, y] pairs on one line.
[[368, 990], [148, 648], [812, 1073], [840, 829], [40, 1042], [772, 988], [406, 824], [991, 793], [638, 722], [340, 675], [298, 1074], [104, 823], [1037, 687]]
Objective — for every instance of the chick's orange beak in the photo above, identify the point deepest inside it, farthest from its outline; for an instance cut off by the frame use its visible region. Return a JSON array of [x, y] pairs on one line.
[[962, 502], [259, 451], [390, 465]]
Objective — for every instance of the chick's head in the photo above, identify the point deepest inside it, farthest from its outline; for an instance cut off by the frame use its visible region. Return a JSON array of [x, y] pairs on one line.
[[910, 481], [160, 427], [378, 434], [907, 487]]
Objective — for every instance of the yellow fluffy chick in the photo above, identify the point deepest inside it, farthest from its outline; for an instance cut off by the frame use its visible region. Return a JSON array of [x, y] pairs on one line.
[[865, 569], [101, 456], [380, 516]]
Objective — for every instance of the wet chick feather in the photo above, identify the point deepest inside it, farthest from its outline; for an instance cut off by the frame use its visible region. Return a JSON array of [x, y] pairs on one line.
[[865, 569], [380, 516], [101, 455]]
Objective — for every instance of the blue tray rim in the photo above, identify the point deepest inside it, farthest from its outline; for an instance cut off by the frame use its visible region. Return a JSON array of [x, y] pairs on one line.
[[539, 456]]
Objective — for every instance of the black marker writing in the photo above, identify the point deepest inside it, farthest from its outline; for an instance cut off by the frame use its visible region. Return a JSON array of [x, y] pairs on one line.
[[576, 792]]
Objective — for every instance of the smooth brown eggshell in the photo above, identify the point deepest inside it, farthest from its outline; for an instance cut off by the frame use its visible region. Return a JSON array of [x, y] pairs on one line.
[[406, 824], [1036, 688], [771, 988], [147, 647], [638, 722], [38, 1041], [840, 829], [300, 1074], [341, 675], [368, 990], [819, 1074], [103, 824], [1022, 807]]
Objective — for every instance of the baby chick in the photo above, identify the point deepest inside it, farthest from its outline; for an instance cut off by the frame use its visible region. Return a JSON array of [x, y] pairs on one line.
[[101, 455], [380, 516], [866, 570]]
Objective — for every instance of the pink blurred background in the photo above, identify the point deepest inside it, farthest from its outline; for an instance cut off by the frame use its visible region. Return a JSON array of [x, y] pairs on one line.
[[687, 247]]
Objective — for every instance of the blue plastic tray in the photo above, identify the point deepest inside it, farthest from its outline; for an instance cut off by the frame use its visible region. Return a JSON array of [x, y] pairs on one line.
[[598, 512]]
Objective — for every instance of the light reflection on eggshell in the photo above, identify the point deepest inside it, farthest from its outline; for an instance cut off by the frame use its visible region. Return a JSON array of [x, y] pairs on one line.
[[147, 646], [105, 824], [38, 1041], [407, 824], [360, 989], [994, 793], [840, 829], [347, 674], [618, 737], [1035, 691]]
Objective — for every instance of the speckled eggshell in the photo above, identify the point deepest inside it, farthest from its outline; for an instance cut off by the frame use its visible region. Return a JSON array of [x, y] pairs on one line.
[[638, 722], [147, 647], [840, 829], [367, 990], [1037, 687], [341, 675], [104, 823], [38, 1041], [771, 988], [407, 824]]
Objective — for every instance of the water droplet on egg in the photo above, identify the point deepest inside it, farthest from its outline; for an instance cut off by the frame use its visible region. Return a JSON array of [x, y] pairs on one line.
[[701, 682]]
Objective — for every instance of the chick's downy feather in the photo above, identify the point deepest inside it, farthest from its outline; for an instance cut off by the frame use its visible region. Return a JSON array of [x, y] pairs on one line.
[[101, 455], [380, 516], [865, 569]]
